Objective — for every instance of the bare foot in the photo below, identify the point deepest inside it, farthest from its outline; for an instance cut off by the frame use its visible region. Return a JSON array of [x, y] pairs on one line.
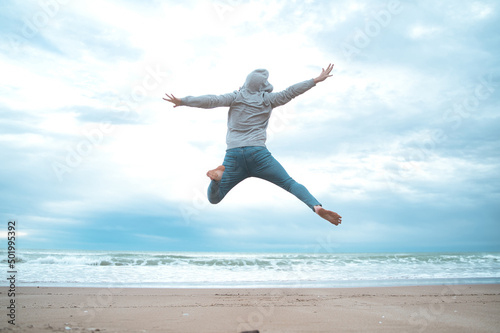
[[328, 215], [216, 174]]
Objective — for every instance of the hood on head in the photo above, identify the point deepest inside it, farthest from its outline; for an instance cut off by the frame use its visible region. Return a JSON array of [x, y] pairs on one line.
[[257, 81]]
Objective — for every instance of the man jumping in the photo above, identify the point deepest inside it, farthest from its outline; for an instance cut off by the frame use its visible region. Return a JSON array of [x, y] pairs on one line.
[[246, 155]]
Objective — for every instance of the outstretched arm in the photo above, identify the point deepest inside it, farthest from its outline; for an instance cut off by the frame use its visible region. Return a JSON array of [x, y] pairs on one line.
[[172, 99], [324, 74], [291, 92], [204, 102]]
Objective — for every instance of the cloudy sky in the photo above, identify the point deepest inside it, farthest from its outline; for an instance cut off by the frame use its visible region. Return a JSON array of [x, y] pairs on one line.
[[402, 141]]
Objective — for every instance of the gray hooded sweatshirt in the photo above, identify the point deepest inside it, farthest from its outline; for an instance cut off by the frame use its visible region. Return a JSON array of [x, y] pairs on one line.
[[249, 108]]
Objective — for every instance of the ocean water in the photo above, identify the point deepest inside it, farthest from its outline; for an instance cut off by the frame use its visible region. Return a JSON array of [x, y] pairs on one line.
[[268, 270]]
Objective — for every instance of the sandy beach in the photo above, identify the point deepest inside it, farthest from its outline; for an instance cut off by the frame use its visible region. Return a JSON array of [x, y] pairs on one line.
[[453, 308]]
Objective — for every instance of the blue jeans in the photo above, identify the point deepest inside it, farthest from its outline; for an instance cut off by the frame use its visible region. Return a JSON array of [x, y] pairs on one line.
[[245, 162]]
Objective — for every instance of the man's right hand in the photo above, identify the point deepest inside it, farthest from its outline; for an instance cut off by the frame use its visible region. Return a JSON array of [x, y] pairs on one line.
[[172, 99]]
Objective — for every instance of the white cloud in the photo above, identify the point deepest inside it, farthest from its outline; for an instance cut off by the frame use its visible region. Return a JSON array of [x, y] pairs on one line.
[[471, 11], [422, 31], [87, 67]]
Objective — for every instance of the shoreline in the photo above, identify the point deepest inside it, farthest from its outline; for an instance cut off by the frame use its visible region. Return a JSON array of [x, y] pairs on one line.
[[429, 308], [282, 284]]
